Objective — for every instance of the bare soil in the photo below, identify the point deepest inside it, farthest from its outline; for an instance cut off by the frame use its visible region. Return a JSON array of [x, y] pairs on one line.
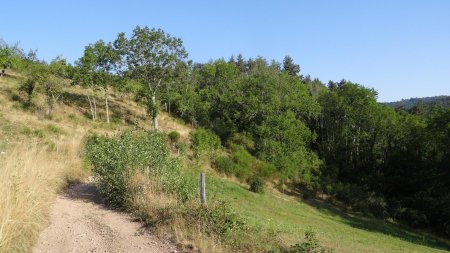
[[79, 222]]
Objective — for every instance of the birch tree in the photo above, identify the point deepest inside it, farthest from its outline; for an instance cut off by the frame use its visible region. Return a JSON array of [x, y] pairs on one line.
[[99, 65]]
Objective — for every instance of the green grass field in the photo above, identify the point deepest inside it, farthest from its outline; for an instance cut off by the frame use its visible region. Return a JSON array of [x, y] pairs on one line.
[[289, 218]]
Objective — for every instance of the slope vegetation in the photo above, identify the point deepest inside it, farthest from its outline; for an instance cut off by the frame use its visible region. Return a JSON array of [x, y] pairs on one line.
[[40, 156]]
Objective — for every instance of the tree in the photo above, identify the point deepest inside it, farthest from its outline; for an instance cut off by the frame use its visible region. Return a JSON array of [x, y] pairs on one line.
[[97, 67], [240, 63], [59, 67], [290, 67], [5, 58], [151, 56], [44, 80]]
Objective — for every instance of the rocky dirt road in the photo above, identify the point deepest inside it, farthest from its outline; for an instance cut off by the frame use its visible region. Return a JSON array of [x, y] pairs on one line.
[[80, 223]]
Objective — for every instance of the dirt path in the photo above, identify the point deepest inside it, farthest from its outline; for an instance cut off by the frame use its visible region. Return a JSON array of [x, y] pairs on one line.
[[80, 223]]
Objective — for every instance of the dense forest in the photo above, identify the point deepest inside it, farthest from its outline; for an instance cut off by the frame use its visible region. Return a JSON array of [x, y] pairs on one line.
[[425, 102], [277, 124]]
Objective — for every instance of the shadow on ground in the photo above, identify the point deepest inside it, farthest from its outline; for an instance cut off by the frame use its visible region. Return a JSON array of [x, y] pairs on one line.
[[380, 226], [87, 192]]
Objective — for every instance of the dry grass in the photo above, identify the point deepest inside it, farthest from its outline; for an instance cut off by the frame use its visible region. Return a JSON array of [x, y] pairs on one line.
[[30, 178], [167, 216]]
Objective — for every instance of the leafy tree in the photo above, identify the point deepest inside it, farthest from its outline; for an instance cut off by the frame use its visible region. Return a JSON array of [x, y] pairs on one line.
[[151, 56], [42, 79], [59, 67], [283, 141], [5, 61], [97, 68]]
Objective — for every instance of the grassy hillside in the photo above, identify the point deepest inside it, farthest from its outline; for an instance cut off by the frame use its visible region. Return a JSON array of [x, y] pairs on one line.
[[289, 217], [40, 156]]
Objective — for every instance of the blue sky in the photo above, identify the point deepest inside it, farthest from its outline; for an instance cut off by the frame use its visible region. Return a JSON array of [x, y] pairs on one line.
[[400, 48]]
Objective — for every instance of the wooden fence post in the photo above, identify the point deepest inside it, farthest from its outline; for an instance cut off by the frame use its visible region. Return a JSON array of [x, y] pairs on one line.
[[202, 185]]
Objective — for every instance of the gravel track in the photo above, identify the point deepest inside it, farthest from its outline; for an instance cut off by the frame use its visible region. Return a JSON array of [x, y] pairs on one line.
[[79, 222]]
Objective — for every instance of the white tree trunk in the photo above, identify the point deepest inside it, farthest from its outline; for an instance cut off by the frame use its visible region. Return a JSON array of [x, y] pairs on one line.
[[155, 118], [95, 108], [92, 109], [106, 105]]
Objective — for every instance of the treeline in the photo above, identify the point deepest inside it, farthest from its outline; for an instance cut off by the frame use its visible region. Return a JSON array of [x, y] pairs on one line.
[[281, 125], [420, 104], [339, 140]]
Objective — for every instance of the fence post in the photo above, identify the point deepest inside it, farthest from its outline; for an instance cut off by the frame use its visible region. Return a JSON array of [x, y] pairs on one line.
[[202, 185]]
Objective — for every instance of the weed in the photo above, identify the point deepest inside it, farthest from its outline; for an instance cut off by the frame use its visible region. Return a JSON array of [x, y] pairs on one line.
[[256, 184], [311, 245]]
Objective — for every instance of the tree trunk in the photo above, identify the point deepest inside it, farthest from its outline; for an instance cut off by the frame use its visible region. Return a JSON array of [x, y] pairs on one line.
[[95, 107], [50, 107], [155, 118], [92, 109], [106, 105]]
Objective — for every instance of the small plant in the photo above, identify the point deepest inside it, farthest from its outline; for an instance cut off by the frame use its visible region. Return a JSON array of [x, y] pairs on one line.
[[218, 219], [174, 137], [15, 97], [54, 129], [182, 148], [311, 245], [256, 184]]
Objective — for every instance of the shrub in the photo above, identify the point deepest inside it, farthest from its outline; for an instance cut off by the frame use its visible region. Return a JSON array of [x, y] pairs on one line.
[[265, 170], [242, 164], [114, 160], [174, 137], [218, 220], [15, 97], [243, 139], [182, 148], [204, 142], [225, 165], [310, 246], [28, 87], [256, 184]]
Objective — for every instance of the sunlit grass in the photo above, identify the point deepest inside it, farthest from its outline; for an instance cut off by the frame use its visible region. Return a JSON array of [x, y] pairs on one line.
[[29, 179], [289, 218]]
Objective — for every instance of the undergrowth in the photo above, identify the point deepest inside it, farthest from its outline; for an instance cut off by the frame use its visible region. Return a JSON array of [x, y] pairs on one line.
[[136, 172]]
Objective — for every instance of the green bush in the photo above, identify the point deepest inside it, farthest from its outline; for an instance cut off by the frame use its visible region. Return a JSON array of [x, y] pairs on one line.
[[174, 137], [204, 142], [265, 170], [115, 158], [242, 164], [243, 139], [256, 184], [225, 165], [182, 148], [15, 97], [311, 245], [218, 219]]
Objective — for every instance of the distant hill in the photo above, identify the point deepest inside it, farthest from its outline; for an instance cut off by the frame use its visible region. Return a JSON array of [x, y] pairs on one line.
[[408, 104]]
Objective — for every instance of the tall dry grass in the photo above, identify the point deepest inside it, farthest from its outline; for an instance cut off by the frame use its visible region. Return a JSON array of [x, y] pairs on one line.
[[167, 216], [30, 177]]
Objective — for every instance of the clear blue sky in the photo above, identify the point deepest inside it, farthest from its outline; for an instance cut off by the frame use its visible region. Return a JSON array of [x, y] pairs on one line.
[[400, 48]]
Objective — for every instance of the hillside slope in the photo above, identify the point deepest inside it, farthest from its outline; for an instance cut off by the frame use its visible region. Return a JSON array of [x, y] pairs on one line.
[[284, 217]]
